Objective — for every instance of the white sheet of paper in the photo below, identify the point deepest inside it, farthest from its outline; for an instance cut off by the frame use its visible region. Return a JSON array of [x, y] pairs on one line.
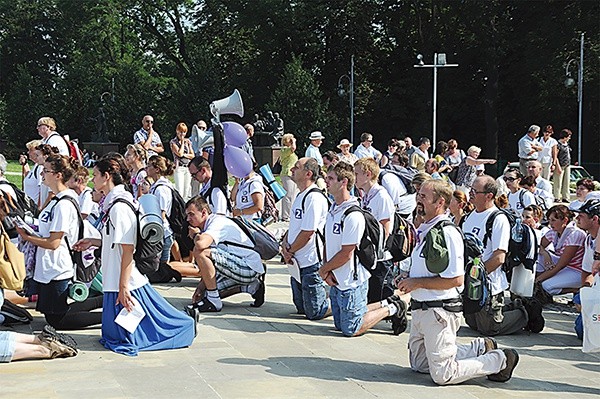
[[294, 270], [130, 320]]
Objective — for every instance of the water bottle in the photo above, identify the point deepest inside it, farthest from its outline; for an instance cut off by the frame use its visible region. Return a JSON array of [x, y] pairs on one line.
[[475, 287], [517, 231]]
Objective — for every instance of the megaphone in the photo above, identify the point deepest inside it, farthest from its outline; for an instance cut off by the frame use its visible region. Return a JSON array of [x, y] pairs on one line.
[[277, 188], [228, 105]]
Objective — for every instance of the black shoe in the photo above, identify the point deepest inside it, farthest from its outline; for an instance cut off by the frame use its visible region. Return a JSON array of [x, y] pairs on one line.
[[541, 295], [259, 295], [534, 309], [176, 275], [50, 334], [512, 359], [399, 320], [194, 314], [204, 306]]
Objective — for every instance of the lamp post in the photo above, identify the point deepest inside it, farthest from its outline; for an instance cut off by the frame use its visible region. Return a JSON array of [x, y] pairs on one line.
[[569, 82], [342, 92], [439, 61]]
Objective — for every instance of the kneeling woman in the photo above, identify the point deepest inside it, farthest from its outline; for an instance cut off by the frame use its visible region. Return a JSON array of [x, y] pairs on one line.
[[163, 326], [59, 228]]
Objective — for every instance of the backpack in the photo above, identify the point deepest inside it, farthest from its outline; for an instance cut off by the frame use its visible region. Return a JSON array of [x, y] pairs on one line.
[[367, 249], [177, 219], [406, 176], [270, 212], [319, 235], [208, 196], [73, 150], [522, 245], [14, 314], [12, 264], [539, 201], [87, 264], [402, 239], [147, 253], [22, 204], [265, 243]]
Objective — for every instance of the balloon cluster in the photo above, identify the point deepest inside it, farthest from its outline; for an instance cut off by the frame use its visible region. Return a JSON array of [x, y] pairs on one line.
[[237, 161]]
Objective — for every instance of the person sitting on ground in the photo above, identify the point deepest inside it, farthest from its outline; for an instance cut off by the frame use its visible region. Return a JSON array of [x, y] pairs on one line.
[[583, 189], [559, 269], [532, 217], [226, 265], [518, 198], [216, 196], [341, 269], [79, 184], [528, 183], [17, 346]]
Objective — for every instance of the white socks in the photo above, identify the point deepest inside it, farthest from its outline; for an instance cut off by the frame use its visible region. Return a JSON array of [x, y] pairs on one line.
[[392, 309], [214, 298]]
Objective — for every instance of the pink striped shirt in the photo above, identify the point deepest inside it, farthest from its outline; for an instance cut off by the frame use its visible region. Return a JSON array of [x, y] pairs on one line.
[[571, 236]]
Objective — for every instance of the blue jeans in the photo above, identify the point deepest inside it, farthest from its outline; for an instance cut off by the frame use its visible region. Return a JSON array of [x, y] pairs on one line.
[[348, 308], [165, 256], [579, 319], [310, 297]]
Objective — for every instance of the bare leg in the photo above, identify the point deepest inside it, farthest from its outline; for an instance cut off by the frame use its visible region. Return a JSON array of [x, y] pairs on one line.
[[371, 318], [175, 251], [30, 351], [186, 269]]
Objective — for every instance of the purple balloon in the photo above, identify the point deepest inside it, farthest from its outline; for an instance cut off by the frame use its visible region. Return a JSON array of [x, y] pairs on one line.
[[237, 161], [235, 134]]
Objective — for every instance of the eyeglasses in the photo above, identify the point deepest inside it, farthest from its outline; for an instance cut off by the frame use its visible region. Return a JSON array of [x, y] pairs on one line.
[[202, 127], [508, 178], [151, 122], [48, 171], [195, 173], [478, 192]]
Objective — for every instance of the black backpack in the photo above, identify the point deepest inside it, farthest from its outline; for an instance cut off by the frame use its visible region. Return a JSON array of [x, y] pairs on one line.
[[208, 196], [367, 249], [406, 176], [20, 206], [177, 218], [522, 245], [402, 239], [147, 254]]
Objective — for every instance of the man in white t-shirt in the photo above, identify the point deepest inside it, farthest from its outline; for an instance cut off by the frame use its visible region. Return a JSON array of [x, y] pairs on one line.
[[46, 128], [148, 137], [436, 304], [303, 243], [201, 172], [529, 147], [518, 198], [224, 256], [497, 320], [405, 203], [341, 270], [377, 201], [365, 149]]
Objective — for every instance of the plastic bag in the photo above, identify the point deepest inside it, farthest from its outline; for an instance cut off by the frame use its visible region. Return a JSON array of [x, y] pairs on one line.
[[590, 312]]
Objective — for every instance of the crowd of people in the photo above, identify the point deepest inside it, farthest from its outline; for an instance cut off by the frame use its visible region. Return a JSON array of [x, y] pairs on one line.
[[333, 201]]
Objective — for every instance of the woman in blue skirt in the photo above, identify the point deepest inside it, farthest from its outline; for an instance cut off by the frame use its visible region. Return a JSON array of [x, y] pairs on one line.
[[163, 326]]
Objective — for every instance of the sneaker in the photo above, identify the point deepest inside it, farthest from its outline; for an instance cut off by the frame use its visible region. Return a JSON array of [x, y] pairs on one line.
[[204, 306], [490, 344], [194, 314], [534, 309], [399, 320], [49, 334], [512, 359], [259, 295], [58, 349]]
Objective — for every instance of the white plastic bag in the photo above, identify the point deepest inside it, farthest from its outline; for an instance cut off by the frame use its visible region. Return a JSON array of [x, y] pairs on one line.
[[521, 282], [590, 313]]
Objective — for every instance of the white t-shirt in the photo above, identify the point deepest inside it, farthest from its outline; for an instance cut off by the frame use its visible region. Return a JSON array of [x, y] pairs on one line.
[[336, 237], [55, 140], [543, 184], [311, 218], [379, 203], [87, 204], [31, 183], [218, 201], [122, 229], [162, 189], [545, 156], [475, 223], [405, 203], [243, 198], [514, 200], [57, 216], [456, 264], [222, 229], [588, 255], [7, 188]]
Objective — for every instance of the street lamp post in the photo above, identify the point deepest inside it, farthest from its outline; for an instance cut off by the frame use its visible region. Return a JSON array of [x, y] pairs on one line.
[[342, 92], [439, 61], [569, 82]]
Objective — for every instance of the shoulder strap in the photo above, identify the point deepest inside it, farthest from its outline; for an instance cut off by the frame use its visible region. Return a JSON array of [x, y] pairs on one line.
[[312, 190], [521, 195], [80, 222], [240, 223], [122, 201], [489, 224]]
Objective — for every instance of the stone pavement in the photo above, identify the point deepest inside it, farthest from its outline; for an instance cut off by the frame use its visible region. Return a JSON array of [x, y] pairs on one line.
[[270, 352]]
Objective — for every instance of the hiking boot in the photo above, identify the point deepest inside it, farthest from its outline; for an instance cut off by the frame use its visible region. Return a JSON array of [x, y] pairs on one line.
[[490, 344], [259, 295], [399, 320], [534, 309], [58, 349], [49, 334], [512, 359]]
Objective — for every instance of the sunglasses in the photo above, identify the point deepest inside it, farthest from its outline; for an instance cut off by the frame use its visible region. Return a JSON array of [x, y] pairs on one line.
[[507, 178], [202, 127], [149, 122]]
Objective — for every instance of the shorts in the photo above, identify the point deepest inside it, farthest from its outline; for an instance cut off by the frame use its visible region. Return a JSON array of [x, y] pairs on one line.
[[348, 308], [8, 341], [231, 269]]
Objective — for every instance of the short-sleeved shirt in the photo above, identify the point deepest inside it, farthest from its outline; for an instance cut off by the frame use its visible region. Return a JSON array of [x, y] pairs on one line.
[[364, 152], [571, 236], [218, 201], [141, 136], [543, 184], [137, 179], [588, 255], [350, 234], [476, 223], [404, 202], [379, 203], [56, 140], [121, 229], [288, 159], [87, 204], [57, 216], [31, 183], [221, 229], [313, 152], [247, 187], [456, 264], [514, 200], [526, 146], [310, 218], [162, 188], [545, 156]]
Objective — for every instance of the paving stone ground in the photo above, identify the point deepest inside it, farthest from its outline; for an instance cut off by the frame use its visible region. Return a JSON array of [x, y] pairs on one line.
[[271, 352]]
